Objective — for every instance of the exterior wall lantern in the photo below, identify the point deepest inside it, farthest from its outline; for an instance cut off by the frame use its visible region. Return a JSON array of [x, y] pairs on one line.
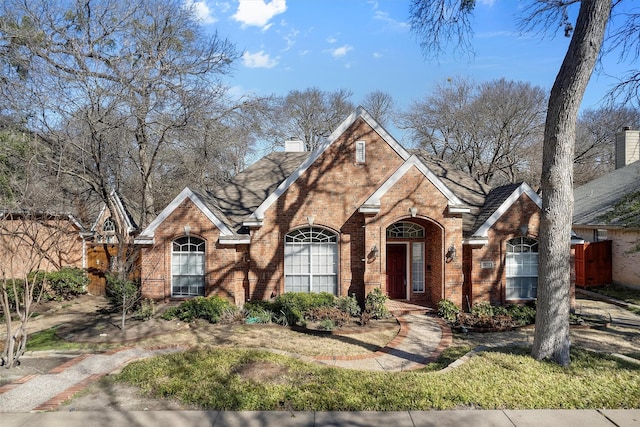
[[451, 253], [373, 254]]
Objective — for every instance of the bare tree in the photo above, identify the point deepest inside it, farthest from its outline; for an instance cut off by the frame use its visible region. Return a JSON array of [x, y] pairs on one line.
[[137, 69], [380, 105], [309, 115], [491, 130], [595, 140], [440, 18]]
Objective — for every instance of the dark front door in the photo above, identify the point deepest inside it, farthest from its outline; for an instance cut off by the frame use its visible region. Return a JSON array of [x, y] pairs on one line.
[[397, 271]]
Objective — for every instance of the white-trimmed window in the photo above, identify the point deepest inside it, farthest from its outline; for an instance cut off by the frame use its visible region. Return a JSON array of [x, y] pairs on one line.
[[522, 268], [405, 230], [108, 226], [311, 261], [361, 151], [187, 267], [417, 266]]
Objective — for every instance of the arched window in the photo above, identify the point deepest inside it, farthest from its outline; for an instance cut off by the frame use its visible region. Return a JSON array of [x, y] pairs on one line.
[[187, 267], [108, 226], [522, 268], [405, 230], [311, 261]]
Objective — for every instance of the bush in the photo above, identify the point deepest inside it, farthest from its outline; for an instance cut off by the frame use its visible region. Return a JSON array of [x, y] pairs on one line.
[[207, 308], [146, 310], [522, 314], [374, 304], [482, 309], [324, 315], [258, 312], [67, 283], [122, 294], [448, 310], [348, 305], [293, 305]]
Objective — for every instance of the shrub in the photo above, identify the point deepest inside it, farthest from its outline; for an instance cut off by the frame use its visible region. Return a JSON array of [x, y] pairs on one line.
[[67, 283], [146, 310], [349, 305], [482, 309], [209, 308], [122, 294], [293, 305], [522, 314], [448, 310], [374, 304], [337, 317]]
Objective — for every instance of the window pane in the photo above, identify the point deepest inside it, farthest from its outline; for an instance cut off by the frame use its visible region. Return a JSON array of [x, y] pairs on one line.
[[310, 261], [417, 266]]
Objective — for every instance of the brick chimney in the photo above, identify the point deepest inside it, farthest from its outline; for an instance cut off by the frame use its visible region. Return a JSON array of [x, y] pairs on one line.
[[627, 147]]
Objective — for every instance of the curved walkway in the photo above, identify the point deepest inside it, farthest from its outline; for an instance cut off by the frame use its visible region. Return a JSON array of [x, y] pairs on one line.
[[420, 341]]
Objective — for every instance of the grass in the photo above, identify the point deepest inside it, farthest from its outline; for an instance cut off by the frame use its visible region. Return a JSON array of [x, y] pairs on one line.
[[232, 379], [48, 340]]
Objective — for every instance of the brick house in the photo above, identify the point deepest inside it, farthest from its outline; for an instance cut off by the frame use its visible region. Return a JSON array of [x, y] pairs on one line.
[[358, 213]]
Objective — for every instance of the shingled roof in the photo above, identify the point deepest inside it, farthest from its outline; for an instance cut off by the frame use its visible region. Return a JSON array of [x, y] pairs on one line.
[[601, 202]]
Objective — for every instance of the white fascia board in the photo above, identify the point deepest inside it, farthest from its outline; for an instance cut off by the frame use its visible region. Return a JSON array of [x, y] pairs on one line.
[[148, 233], [458, 209], [413, 161], [522, 189], [123, 211], [95, 223], [369, 209], [144, 241], [256, 218], [476, 241], [235, 240]]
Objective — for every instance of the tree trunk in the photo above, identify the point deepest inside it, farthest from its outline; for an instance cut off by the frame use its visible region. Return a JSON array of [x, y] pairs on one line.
[[551, 339]]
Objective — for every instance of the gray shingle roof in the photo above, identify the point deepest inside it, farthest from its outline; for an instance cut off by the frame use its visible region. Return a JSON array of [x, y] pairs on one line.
[[236, 199], [597, 202]]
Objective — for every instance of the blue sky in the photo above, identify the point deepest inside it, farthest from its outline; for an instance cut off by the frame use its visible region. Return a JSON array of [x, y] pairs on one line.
[[367, 45]]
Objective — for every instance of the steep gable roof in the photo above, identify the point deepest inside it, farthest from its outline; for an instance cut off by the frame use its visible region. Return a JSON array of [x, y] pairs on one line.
[[595, 202], [124, 211], [256, 217]]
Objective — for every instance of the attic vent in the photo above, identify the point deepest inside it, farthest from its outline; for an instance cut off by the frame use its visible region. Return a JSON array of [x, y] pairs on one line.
[[360, 151], [295, 146]]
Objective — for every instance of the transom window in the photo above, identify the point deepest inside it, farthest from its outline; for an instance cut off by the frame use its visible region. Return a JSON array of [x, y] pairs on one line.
[[405, 230], [522, 268], [187, 267], [311, 261]]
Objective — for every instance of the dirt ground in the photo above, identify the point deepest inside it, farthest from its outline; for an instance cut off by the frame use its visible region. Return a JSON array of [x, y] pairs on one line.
[[85, 320]]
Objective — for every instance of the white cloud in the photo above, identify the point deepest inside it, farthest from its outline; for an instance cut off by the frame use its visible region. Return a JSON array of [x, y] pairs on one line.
[[341, 51], [389, 21], [290, 39], [258, 60], [331, 40], [258, 12], [377, 55], [202, 11]]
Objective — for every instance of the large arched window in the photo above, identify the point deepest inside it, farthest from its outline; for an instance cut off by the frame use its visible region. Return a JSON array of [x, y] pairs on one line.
[[187, 267], [522, 268], [311, 261]]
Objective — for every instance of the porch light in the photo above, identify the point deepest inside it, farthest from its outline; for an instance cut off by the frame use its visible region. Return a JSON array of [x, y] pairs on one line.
[[451, 253], [373, 254], [187, 230]]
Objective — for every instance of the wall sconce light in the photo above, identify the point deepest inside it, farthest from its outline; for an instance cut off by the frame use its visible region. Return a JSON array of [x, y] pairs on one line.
[[310, 219], [373, 253], [187, 230], [451, 253], [414, 212]]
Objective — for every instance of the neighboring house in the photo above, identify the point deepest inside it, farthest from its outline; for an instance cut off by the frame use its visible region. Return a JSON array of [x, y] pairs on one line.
[[102, 244], [358, 213], [33, 241], [607, 210]]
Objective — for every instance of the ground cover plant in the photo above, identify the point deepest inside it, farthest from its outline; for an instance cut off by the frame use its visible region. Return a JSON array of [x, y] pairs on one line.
[[234, 379], [621, 293], [483, 315]]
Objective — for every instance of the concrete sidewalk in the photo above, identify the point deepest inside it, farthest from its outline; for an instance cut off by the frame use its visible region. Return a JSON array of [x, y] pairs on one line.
[[497, 418]]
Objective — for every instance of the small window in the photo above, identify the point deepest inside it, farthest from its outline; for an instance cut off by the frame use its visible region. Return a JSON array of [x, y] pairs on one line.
[[599, 235], [187, 267], [405, 230], [360, 152], [109, 226]]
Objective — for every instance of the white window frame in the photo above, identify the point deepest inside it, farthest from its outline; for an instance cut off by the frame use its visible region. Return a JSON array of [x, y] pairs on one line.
[[417, 267], [187, 267], [311, 260], [361, 151], [521, 269]]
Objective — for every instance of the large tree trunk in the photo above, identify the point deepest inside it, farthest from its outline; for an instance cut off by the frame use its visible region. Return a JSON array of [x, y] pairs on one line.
[[551, 339]]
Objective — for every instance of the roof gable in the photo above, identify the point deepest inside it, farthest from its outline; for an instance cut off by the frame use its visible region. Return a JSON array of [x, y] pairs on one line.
[[499, 202], [122, 212], [148, 233], [257, 216], [372, 204]]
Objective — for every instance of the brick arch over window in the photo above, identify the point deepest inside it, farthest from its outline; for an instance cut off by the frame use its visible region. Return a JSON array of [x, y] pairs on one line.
[[311, 260], [187, 267]]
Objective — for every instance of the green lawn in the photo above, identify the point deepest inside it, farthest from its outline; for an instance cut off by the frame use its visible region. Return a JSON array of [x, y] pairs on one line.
[[233, 379], [620, 292]]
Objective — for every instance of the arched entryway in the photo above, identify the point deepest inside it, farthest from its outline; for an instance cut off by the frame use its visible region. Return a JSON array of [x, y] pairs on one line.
[[412, 264]]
